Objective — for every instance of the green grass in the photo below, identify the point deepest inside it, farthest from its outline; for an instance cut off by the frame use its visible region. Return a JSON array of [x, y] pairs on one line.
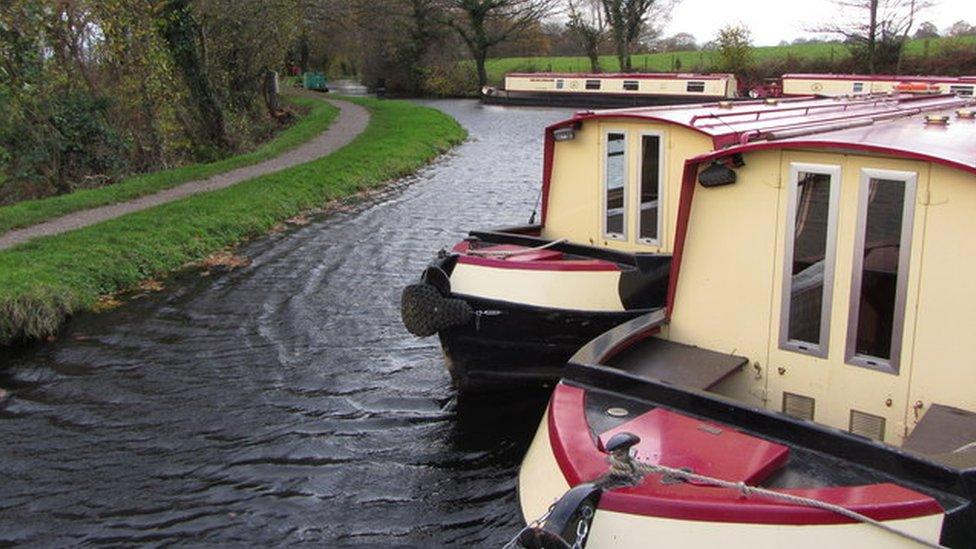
[[31, 212], [690, 60], [44, 281]]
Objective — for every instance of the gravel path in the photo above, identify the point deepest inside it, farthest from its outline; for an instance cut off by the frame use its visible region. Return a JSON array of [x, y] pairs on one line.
[[352, 120]]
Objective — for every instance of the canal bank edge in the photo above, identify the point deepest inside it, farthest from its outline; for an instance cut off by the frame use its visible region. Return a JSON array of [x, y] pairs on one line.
[[46, 280], [320, 116]]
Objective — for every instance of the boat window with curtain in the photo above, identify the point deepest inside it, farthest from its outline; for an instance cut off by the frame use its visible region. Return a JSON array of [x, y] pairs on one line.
[[615, 182], [649, 215], [809, 257], [880, 270]]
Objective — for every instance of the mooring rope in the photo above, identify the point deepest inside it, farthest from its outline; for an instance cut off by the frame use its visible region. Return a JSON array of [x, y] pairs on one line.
[[635, 470], [509, 253]]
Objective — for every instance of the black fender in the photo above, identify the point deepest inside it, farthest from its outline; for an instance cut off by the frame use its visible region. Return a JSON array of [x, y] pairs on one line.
[[569, 520]]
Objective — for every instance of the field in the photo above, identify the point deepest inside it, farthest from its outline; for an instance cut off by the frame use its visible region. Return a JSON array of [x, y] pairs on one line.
[[689, 61], [44, 281]]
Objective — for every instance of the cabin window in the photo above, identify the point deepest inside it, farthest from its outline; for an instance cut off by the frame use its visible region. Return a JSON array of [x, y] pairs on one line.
[[631, 85], [962, 90], [649, 214], [559, 84], [809, 258], [592, 84], [858, 87], [696, 86], [881, 253], [615, 194]]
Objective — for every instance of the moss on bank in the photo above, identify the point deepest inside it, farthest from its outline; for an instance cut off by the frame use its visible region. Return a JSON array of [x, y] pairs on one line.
[[31, 212], [44, 281]]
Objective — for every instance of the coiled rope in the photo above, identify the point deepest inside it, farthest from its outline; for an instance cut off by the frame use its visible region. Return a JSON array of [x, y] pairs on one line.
[[635, 471], [502, 254]]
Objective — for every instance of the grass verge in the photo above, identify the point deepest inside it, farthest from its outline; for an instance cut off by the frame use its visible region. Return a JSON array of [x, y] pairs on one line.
[[44, 281], [31, 212]]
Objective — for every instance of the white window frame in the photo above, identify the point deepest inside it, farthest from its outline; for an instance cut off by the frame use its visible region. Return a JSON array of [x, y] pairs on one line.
[[910, 179], [661, 178], [857, 87], [821, 348], [605, 187]]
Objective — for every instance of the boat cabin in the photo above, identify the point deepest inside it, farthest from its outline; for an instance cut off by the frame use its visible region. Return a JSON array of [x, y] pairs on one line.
[[847, 84]]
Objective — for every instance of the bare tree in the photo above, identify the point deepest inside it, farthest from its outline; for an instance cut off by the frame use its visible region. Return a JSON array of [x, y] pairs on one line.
[[875, 30], [629, 22], [483, 24], [587, 23]]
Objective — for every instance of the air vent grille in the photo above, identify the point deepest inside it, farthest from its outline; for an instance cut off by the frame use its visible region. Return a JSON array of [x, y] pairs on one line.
[[798, 406], [867, 425]]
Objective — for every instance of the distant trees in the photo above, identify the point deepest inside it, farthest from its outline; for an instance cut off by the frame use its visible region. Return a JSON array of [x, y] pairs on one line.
[[628, 21], [875, 30], [682, 41], [733, 49], [927, 30], [587, 24], [483, 24], [961, 28]]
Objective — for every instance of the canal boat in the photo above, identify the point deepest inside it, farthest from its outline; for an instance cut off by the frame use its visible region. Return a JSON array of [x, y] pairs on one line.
[[511, 305], [810, 381], [611, 89], [858, 84]]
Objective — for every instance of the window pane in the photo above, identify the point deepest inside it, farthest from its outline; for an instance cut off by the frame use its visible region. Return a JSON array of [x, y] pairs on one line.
[[631, 85], [592, 84], [879, 270], [809, 257], [650, 186], [696, 86], [616, 166]]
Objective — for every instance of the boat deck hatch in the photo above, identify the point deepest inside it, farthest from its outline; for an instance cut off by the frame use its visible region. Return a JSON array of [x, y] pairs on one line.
[[677, 364], [675, 440], [944, 430]]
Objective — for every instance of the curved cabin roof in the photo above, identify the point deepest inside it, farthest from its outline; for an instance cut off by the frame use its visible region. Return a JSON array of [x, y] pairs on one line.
[[887, 124], [882, 78]]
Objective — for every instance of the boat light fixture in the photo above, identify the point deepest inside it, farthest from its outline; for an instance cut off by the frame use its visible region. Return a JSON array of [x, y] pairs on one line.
[[725, 104], [772, 101], [966, 114], [566, 133], [936, 120], [716, 175]]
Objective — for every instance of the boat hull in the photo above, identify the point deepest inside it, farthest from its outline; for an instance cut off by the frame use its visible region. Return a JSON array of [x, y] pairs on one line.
[[516, 346], [583, 100]]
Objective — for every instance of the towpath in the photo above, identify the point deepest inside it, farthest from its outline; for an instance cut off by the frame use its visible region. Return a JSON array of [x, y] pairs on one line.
[[350, 122]]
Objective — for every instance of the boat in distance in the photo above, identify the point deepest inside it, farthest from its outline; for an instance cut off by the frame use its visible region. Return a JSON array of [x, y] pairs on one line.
[[808, 381]]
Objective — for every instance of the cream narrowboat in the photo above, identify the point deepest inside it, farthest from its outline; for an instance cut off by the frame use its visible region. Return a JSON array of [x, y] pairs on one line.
[[512, 305], [610, 89], [810, 381], [855, 84]]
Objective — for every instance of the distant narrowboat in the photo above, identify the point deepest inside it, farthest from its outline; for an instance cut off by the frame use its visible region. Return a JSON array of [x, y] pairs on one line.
[[611, 90], [810, 381], [853, 84], [512, 305]]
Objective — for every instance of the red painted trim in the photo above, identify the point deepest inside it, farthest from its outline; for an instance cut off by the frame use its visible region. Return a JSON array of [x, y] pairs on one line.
[[587, 265], [548, 154], [688, 184], [580, 461], [882, 78], [621, 75]]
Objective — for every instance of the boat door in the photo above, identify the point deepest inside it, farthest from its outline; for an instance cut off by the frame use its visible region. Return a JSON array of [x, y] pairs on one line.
[[848, 251]]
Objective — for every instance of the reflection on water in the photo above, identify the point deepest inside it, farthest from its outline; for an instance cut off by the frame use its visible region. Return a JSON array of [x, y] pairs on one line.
[[282, 402]]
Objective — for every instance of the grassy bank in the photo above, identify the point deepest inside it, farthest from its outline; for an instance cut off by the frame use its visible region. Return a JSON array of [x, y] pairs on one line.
[[699, 60], [22, 214], [46, 280]]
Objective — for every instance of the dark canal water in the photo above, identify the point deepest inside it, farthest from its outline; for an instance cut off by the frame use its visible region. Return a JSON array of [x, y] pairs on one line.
[[283, 402]]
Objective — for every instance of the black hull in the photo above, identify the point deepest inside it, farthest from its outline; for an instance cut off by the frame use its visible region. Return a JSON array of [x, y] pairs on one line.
[[511, 346]]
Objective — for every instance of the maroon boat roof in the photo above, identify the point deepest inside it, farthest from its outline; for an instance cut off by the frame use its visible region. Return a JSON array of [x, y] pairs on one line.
[[627, 75], [883, 77], [893, 124]]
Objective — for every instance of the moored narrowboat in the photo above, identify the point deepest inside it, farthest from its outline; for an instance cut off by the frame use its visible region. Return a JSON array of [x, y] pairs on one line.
[[856, 84], [512, 305], [611, 89], [809, 381]]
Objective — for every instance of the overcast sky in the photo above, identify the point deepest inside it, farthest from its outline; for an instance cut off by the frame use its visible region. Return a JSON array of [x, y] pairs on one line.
[[775, 20]]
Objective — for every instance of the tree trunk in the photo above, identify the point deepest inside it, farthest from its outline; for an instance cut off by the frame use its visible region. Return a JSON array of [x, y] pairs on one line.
[[872, 36], [480, 59], [181, 33], [593, 53]]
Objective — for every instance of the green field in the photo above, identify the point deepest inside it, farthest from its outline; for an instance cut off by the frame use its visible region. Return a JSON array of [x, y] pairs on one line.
[[318, 118], [45, 280], [690, 60]]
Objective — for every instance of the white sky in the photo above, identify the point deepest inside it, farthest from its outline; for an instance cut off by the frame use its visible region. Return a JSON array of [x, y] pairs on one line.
[[775, 20]]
